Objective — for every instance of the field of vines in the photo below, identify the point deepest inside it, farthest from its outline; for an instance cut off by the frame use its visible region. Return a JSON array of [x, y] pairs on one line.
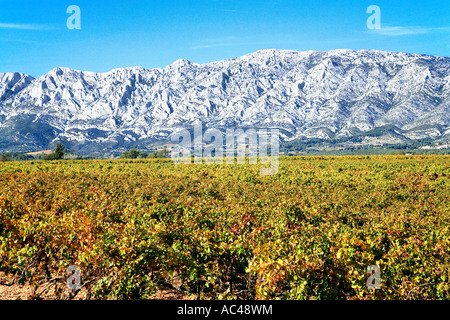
[[136, 227]]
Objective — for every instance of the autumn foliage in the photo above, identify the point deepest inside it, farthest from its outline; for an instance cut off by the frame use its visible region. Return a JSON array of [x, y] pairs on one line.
[[226, 232]]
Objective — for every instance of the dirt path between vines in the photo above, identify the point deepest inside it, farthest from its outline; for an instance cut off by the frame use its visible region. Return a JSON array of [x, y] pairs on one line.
[[24, 292]]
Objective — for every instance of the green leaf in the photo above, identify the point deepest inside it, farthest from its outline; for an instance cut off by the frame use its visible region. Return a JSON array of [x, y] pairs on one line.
[[20, 260]]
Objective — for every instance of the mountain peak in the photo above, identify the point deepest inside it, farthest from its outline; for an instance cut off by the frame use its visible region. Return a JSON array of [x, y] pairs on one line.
[[181, 62], [8, 76], [178, 65], [13, 82], [63, 73]]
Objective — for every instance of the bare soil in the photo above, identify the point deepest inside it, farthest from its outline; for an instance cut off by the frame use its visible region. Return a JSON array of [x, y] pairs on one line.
[[27, 291]]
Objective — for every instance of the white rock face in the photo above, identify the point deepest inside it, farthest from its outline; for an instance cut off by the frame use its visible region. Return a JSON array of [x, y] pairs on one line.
[[12, 83], [334, 94]]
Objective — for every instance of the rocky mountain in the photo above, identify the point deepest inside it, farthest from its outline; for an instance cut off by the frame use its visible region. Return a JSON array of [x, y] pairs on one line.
[[381, 97]]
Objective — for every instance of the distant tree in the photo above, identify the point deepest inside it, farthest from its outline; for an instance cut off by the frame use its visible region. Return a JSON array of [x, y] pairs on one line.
[[5, 157], [133, 154], [17, 156], [164, 153], [59, 151], [142, 155], [57, 155], [51, 156]]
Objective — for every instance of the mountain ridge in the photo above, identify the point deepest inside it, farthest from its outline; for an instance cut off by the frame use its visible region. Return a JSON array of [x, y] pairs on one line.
[[307, 94]]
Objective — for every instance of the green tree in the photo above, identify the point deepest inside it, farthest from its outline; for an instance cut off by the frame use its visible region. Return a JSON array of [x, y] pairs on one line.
[[17, 156], [58, 154], [142, 154], [59, 151], [164, 153], [5, 157], [133, 154]]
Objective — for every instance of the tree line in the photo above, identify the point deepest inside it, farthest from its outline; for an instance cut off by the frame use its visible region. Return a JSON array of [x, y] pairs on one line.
[[61, 150], [58, 154], [136, 154]]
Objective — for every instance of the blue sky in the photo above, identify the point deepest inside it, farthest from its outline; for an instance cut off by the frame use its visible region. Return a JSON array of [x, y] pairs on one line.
[[34, 37]]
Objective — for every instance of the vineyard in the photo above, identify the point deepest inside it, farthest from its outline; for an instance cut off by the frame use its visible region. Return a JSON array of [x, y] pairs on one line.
[[136, 227]]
